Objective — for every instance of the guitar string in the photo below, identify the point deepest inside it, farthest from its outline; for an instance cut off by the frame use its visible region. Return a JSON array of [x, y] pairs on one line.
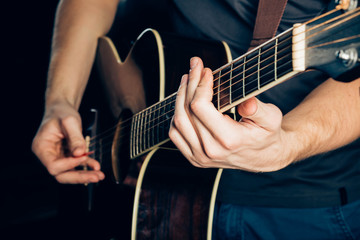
[[307, 38], [157, 106], [217, 86], [246, 70], [255, 57], [312, 20], [337, 41], [109, 137], [345, 19], [144, 127], [172, 101], [141, 133], [226, 66], [312, 28]]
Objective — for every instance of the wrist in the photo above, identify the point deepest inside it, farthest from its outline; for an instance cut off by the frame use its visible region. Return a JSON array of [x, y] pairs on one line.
[[60, 108], [61, 97], [295, 145]]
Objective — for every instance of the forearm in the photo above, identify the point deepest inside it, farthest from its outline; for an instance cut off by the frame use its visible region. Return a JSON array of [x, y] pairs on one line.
[[78, 25], [327, 119]]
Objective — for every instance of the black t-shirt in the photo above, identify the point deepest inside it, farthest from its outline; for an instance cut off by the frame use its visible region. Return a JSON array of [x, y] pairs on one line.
[[324, 180]]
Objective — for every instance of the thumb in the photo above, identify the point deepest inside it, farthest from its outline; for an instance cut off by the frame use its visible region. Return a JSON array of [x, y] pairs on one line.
[[264, 115], [73, 133]]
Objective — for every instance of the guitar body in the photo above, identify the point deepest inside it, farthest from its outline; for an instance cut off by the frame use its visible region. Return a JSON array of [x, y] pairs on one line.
[[172, 199]]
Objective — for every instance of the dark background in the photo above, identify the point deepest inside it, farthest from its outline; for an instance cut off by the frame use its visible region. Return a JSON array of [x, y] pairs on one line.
[[29, 196]]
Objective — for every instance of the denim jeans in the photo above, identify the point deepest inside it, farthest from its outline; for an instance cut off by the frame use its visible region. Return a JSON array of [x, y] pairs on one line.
[[249, 223]]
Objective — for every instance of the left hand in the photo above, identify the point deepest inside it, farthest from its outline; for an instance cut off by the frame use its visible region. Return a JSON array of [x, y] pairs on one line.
[[210, 139]]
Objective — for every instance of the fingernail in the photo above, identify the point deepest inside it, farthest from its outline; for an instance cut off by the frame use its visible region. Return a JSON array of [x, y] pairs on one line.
[[183, 79], [77, 151], [193, 62]]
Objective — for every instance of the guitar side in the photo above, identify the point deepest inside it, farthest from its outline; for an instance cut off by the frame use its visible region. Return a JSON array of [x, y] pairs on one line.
[[173, 199]]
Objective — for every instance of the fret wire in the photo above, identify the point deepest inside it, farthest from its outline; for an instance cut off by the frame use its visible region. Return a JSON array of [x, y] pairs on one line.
[[163, 117], [272, 79], [152, 116], [219, 85], [246, 61], [136, 134], [157, 125], [148, 131], [287, 38], [255, 88], [132, 150], [248, 83], [230, 91], [145, 129], [258, 71], [141, 130], [144, 134], [170, 107], [244, 76], [275, 59], [151, 124], [167, 108]]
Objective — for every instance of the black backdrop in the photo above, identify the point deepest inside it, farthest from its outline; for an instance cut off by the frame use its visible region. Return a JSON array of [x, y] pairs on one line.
[[28, 193], [29, 196]]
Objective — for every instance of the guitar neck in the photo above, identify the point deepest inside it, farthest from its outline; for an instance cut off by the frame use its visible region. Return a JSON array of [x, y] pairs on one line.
[[314, 44], [245, 77], [150, 127], [253, 73]]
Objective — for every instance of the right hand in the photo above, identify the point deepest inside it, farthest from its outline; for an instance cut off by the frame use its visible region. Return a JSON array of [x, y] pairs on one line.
[[62, 124]]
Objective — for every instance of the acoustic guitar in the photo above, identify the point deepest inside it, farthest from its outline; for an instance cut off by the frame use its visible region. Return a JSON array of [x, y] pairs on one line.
[[171, 198]]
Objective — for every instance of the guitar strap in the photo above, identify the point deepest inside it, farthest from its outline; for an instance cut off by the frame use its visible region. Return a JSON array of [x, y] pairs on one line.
[[267, 21]]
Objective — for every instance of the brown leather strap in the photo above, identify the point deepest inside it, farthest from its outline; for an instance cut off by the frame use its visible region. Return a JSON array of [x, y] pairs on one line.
[[268, 18]]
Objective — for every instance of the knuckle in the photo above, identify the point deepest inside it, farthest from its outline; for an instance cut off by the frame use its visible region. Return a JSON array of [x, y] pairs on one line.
[[195, 106], [178, 121], [171, 134], [229, 144], [276, 111], [212, 152], [70, 120], [52, 170]]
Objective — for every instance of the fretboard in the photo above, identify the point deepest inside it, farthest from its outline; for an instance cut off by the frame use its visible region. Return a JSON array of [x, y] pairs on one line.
[[245, 77]]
